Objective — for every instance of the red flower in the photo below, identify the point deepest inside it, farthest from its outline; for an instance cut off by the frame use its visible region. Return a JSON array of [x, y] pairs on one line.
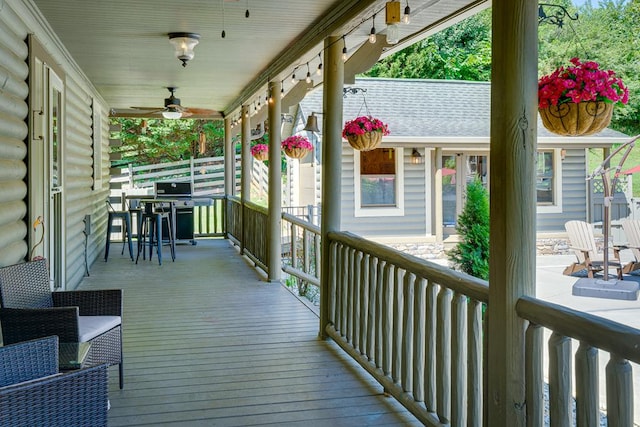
[[582, 81], [362, 125]]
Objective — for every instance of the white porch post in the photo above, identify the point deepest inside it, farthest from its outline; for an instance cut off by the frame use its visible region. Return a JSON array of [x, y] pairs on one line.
[[229, 160], [245, 183], [331, 163], [275, 184], [513, 202]]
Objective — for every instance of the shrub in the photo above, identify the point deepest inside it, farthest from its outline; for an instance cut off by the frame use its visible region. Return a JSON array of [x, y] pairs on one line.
[[471, 254]]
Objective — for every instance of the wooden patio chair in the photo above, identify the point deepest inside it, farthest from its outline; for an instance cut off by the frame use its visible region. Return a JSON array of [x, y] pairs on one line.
[[631, 229], [34, 393], [583, 244], [30, 310]]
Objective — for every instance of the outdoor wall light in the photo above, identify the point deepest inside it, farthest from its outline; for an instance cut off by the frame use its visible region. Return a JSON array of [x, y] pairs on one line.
[[183, 44], [416, 157], [392, 20]]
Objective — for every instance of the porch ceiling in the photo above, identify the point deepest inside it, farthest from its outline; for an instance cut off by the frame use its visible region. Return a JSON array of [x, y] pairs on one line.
[[123, 47]]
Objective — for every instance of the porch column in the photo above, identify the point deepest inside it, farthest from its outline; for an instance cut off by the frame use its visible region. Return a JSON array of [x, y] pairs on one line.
[[331, 163], [229, 160], [437, 192], [275, 184], [512, 261], [247, 170]]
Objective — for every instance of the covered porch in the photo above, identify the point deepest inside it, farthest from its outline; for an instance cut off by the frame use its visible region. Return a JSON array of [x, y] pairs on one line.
[[208, 342]]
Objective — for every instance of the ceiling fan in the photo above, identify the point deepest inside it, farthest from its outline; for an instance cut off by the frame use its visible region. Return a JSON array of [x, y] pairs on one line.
[[174, 110]]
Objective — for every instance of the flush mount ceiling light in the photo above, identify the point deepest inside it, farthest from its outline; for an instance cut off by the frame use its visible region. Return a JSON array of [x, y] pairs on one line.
[[183, 44]]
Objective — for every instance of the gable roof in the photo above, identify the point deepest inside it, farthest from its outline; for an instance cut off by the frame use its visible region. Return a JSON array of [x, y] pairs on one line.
[[426, 108]]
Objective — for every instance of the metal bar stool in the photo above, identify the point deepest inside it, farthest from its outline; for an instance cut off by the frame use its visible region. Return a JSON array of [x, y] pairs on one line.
[[125, 216], [150, 225]]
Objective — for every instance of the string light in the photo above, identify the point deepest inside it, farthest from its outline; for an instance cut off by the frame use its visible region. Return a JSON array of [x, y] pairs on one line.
[[308, 79], [406, 18], [246, 12], [372, 34], [344, 49], [224, 33], [293, 79], [319, 70], [281, 89]]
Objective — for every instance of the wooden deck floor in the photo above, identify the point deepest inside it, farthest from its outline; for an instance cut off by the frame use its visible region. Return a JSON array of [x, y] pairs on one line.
[[207, 342]]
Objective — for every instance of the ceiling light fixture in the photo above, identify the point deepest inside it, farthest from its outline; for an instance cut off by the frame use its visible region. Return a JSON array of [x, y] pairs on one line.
[[406, 18], [372, 33], [171, 113], [183, 44]]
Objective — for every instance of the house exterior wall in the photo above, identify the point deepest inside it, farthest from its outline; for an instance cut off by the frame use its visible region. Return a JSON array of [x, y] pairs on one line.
[[574, 194], [80, 104], [14, 93], [416, 222], [413, 224]]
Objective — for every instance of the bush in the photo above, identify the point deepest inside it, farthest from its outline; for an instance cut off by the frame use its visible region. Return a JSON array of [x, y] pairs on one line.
[[471, 254]]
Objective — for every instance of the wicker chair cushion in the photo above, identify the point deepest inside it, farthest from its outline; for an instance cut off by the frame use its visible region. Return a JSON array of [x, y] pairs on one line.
[[92, 326]]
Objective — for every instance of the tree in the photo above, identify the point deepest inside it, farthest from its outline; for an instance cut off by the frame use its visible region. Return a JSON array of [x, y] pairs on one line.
[[150, 141], [471, 254]]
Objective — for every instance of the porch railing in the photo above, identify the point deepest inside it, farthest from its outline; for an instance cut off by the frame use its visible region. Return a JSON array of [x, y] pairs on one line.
[[418, 328], [593, 334], [415, 326], [209, 221], [248, 228]]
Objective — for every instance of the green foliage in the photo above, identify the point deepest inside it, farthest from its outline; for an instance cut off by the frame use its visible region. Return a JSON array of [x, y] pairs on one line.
[[166, 140], [606, 34], [471, 254], [460, 52]]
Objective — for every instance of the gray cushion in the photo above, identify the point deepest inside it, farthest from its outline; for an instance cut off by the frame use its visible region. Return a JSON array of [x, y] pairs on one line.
[[92, 326]]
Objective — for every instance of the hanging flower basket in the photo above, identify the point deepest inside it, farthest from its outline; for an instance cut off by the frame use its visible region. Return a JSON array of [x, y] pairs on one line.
[[296, 146], [581, 119], [366, 142], [364, 133], [260, 152], [578, 100]]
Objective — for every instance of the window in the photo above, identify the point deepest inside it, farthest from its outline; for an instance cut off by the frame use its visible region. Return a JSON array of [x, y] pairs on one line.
[[548, 181], [378, 182]]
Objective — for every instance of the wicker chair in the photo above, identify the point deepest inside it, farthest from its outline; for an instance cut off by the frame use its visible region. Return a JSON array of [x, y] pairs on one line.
[[30, 310], [33, 393]]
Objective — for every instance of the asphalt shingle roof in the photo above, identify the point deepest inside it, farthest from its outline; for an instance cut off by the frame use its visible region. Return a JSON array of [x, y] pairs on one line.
[[424, 108]]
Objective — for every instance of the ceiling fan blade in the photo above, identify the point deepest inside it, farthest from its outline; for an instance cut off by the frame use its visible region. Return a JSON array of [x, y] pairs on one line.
[[152, 109], [202, 111]]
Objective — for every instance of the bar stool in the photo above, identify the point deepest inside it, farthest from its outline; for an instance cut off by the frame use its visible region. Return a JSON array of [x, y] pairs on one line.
[[150, 225], [125, 216]]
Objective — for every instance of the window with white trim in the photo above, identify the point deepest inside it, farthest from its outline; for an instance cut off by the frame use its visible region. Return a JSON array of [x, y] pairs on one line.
[[379, 188], [549, 181]]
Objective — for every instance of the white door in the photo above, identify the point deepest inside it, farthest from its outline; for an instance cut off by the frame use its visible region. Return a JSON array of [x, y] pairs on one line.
[[54, 123]]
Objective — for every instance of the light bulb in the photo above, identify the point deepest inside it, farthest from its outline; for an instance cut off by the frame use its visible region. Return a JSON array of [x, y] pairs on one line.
[[308, 79], [319, 70], [281, 93], [372, 36], [406, 18], [293, 79]]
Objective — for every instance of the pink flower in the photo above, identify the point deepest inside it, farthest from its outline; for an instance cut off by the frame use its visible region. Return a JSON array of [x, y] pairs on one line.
[[296, 141], [364, 124], [259, 148], [581, 81]]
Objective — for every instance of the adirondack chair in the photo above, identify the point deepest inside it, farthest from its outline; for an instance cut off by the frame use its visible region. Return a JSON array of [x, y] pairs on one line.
[[583, 243], [631, 229]]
